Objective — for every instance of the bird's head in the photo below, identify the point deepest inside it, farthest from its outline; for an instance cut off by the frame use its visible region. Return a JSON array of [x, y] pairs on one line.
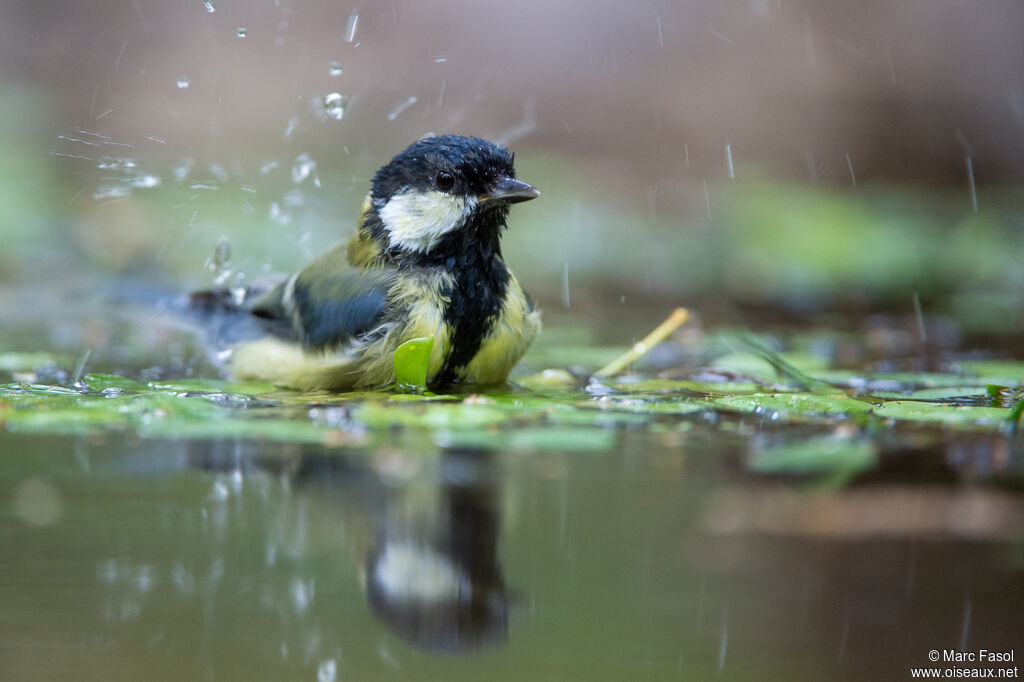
[[444, 193]]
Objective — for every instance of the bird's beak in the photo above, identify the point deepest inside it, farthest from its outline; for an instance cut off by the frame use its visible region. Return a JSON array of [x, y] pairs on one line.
[[510, 190]]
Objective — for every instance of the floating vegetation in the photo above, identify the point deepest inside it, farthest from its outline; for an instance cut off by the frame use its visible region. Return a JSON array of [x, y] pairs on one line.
[[566, 403]]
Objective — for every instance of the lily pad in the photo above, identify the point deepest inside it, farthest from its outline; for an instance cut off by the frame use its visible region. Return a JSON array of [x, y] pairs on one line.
[[101, 382], [213, 386], [686, 385], [948, 393], [951, 415], [642, 406], [796, 403]]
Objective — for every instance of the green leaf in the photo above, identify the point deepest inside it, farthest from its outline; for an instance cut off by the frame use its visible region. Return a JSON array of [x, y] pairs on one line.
[[213, 386], [101, 382], [951, 415], [640, 406], [798, 403], [667, 386], [948, 393], [412, 360]]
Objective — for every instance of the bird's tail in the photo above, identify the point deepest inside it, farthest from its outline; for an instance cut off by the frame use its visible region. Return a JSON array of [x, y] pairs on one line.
[[288, 364]]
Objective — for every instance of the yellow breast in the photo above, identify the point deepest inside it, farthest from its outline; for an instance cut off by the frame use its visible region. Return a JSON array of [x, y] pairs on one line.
[[509, 338]]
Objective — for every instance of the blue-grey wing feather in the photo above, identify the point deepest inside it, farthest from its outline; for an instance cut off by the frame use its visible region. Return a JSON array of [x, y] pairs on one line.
[[328, 308]]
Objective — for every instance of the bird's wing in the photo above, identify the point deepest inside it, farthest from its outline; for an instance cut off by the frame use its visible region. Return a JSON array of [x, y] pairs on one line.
[[329, 303]]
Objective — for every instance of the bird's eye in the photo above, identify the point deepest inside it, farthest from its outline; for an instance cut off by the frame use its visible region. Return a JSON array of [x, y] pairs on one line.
[[445, 181]]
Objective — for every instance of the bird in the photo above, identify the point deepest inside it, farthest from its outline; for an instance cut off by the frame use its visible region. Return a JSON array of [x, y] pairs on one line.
[[425, 261]]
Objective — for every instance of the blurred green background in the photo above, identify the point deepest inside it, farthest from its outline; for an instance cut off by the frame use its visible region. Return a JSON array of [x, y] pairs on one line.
[[755, 160]]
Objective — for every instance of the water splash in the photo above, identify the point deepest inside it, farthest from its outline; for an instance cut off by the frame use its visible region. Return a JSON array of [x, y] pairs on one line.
[[334, 69], [440, 59], [327, 671], [145, 181], [279, 216], [112, 192], [241, 32], [970, 183], [402, 106], [334, 105], [352, 25], [293, 123], [219, 262], [303, 167], [565, 285], [115, 163], [728, 161], [218, 171], [209, 6]]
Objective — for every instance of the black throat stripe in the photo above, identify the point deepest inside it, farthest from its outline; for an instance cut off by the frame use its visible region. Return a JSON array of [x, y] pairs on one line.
[[477, 295]]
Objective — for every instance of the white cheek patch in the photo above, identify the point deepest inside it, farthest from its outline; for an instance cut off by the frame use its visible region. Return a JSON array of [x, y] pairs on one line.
[[416, 220]]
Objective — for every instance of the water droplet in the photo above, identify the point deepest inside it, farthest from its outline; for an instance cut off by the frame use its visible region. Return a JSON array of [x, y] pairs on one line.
[[302, 168], [278, 215], [334, 105], [219, 172], [183, 82], [183, 168], [334, 69], [111, 192], [145, 181], [293, 123], [440, 59], [218, 261], [115, 163], [221, 255], [352, 25], [241, 32], [210, 8], [269, 166], [402, 106], [327, 671], [219, 491]]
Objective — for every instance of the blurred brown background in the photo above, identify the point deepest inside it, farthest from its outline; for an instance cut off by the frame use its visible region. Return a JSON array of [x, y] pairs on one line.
[[627, 115], [907, 89]]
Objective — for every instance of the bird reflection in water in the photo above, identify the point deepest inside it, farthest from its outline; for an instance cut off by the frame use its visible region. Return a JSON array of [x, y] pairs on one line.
[[429, 543], [439, 585]]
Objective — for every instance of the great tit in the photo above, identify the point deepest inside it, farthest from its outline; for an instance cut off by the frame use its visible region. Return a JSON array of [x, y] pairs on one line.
[[425, 261]]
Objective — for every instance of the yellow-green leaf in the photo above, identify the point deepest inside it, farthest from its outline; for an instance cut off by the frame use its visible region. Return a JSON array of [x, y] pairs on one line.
[[411, 360]]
